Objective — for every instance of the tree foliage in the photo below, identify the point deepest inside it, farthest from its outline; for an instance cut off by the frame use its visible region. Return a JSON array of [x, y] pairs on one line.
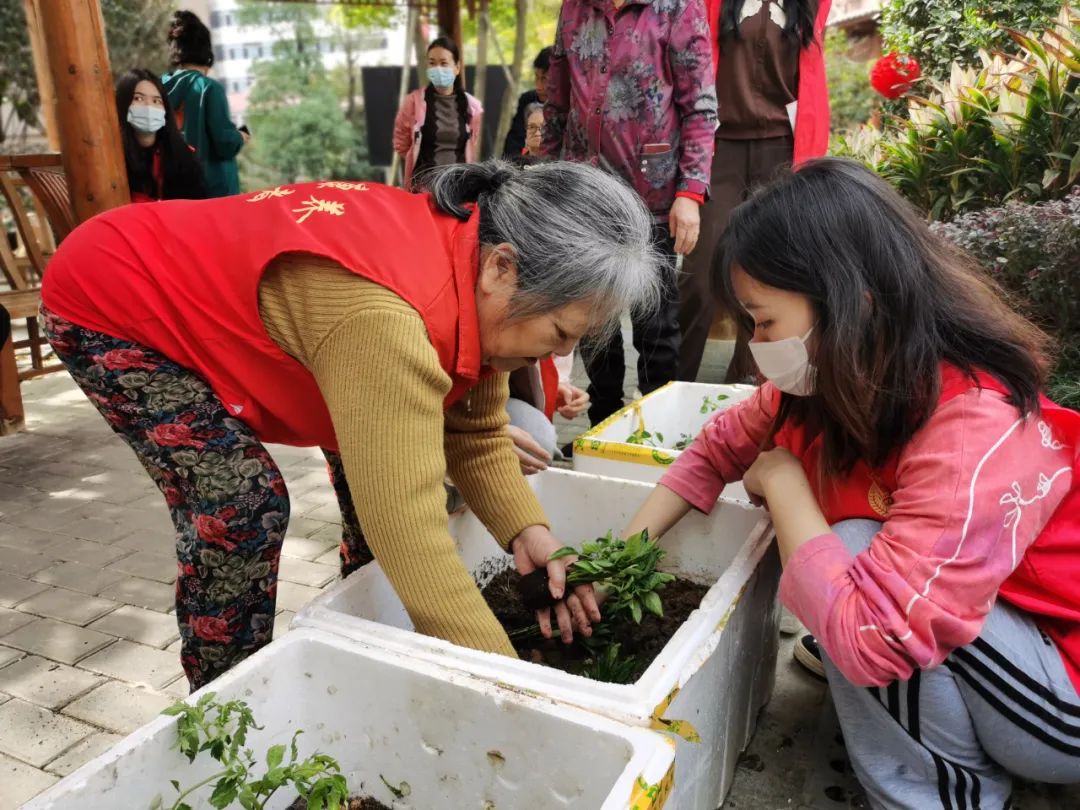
[[135, 32], [851, 98], [297, 114], [940, 32]]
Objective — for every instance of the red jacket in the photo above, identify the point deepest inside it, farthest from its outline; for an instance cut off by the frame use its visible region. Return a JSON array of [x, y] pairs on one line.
[[182, 277], [812, 113]]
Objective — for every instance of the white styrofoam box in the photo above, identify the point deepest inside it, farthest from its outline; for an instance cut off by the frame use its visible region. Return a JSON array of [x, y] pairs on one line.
[[457, 741], [714, 674], [673, 410]]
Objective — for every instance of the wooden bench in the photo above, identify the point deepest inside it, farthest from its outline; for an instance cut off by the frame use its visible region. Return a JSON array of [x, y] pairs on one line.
[[43, 176]]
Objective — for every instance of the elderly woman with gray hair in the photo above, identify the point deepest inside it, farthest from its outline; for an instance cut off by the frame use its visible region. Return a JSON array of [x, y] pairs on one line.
[[375, 324]]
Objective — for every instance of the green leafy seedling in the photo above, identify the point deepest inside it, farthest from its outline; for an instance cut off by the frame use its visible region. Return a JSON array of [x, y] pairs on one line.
[[624, 571], [220, 730], [711, 404], [611, 667]]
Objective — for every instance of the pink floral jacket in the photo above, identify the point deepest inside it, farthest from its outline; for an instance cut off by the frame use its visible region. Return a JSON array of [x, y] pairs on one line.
[[633, 91]]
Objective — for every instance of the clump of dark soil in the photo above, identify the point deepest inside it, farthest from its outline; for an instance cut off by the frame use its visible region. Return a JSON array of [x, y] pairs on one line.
[[355, 803], [642, 641]]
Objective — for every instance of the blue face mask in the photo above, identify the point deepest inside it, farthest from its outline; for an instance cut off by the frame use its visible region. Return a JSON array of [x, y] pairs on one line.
[[441, 77], [146, 119]]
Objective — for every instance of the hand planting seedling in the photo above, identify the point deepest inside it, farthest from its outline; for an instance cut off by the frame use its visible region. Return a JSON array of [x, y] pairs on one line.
[[220, 729], [712, 403], [623, 573]]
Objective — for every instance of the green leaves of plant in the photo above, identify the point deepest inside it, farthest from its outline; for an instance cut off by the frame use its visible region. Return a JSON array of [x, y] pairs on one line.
[[220, 729]]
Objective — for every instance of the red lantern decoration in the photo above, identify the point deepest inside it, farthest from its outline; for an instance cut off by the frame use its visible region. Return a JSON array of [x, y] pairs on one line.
[[893, 74]]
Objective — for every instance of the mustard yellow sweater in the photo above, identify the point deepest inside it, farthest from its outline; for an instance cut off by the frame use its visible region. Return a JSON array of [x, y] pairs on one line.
[[382, 382]]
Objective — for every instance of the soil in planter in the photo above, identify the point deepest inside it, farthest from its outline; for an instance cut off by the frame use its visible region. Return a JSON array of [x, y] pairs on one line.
[[355, 803], [642, 641]]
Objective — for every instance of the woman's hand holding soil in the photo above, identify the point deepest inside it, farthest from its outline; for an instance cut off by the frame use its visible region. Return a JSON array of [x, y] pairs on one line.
[[533, 549]]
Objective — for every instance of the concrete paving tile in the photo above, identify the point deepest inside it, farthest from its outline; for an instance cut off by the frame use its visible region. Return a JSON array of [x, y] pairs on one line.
[[332, 556], [291, 596], [139, 625], [144, 593], [119, 707], [281, 623], [83, 752], [179, 688], [10, 509], [88, 579], [73, 549], [149, 565], [32, 539], [160, 540], [303, 572], [22, 563], [135, 663], [11, 620], [21, 782], [68, 606], [45, 683], [309, 548], [57, 641], [35, 735], [99, 529], [7, 655], [16, 589], [328, 511]]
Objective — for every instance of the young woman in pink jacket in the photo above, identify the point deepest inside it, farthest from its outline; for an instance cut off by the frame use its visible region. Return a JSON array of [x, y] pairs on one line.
[[925, 497], [440, 124]]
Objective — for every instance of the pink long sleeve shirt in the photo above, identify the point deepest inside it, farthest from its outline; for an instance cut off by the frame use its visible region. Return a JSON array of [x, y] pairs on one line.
[[973, 490]]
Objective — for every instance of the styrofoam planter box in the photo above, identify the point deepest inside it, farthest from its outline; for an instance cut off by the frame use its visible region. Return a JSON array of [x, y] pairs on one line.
[[673, 410], [459, 742], [713, 675]]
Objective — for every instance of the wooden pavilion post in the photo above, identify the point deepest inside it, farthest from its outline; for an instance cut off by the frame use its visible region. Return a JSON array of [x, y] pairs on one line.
[[449, 18], [86, 105], [46, 89]]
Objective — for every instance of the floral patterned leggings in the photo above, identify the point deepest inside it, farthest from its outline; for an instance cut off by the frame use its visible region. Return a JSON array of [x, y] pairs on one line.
[[225, 494]]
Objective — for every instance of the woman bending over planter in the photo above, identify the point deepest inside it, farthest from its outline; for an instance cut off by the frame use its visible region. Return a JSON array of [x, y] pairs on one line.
[[296, 315], [926, 498]]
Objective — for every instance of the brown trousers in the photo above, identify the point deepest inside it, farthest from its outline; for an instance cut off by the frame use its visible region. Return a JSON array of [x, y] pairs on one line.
[[739, 167]]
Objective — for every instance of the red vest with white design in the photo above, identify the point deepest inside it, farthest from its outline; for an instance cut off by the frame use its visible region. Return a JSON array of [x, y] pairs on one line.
[[1046, 583], [182, 277]]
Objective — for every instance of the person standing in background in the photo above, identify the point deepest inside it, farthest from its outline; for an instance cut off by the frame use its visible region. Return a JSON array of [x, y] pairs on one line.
[[160, 166], [202, 110], [773, 109], [441, 124], [631, 90], [517, 137]]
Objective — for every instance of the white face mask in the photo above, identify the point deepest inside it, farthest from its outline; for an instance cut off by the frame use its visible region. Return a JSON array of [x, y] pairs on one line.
[[146, 119], [786, 364]]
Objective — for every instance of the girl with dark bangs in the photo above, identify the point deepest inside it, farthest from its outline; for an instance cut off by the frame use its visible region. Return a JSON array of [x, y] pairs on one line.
[[160, 165], [925, 497]]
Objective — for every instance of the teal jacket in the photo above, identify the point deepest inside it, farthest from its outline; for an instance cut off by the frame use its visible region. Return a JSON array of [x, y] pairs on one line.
[[201, 103]]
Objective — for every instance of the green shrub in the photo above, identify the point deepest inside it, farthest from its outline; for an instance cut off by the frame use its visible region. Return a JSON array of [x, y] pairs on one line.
[[1033, 251], [1009, 130], [940, 32], [851, 98]]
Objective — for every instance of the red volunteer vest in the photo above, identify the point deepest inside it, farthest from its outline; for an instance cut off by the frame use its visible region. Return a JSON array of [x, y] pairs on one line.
[[549, 378], [182, 277], [1046, 584]]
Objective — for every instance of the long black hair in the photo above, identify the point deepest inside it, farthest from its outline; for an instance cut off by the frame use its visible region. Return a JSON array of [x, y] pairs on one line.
[[799, 28], [892, 302], [425, 163], [189, 40], [183, 176]]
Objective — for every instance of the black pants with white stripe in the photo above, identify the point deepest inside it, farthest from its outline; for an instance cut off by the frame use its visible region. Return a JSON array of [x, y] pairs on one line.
[[950, 737]]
